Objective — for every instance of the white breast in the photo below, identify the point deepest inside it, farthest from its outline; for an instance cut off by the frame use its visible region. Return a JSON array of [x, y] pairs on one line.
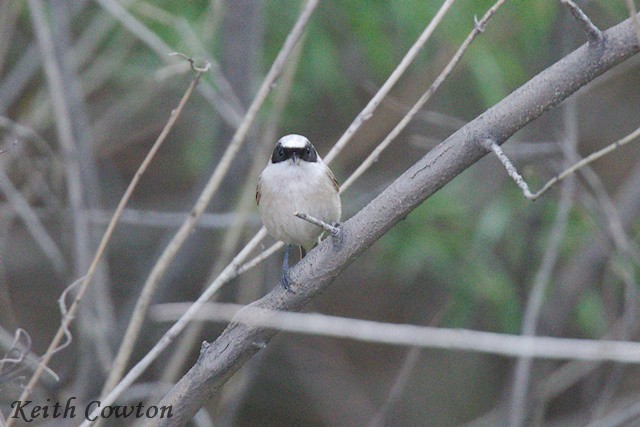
[[286, 188]]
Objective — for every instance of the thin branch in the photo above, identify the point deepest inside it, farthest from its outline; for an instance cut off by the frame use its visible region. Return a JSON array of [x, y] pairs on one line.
[[66, 316], [373, 157], [219, 360], [625, 416], [25, 132], [4, 150], [200, 68], [408, 335], [30, 360], [522, 373], [594, 35], [64, 128], [513, 173], [259, 258], [21, 344], [53, 346], [630, 258], [211, 187], [227, 110], [404, 374], [582, 272], [32, 223], [511, 169], [149, 218], [371, 107], [9, 13], [331, 229]]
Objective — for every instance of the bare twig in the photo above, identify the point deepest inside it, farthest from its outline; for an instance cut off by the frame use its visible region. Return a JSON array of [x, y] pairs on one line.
[[625, 416], [25, 132], [513, 173], [404, 375], [9, 13], [522, 373], [511, 169], [21, 345], [32, 223], [211, 187], [373, 157], [4, 150], [53, 346], [594, 34], [29, 360], [331, 229], [411, 335], [191, 38], [64, 128], [66, 316], [371, 107], [149, 218], [227, 110], [19, 359], [259, 258], [201, 68]]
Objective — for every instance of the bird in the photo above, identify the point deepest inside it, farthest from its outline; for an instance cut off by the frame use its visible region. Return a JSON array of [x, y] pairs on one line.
[[296, 180]]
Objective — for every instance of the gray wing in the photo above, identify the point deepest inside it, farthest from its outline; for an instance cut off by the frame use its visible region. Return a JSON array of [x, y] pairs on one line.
[[333, 179]]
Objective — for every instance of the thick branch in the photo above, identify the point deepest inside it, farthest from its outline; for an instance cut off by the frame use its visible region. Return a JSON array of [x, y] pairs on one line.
[[313, 274]]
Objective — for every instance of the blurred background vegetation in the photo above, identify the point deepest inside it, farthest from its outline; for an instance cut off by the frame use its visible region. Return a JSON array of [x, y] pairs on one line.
[[466, 258]]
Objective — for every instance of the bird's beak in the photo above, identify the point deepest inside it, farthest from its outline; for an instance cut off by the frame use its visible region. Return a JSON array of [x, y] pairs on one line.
[[295, 158]]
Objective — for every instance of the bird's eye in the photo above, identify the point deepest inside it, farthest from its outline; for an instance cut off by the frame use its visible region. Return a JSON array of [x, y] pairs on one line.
[[279, 154]]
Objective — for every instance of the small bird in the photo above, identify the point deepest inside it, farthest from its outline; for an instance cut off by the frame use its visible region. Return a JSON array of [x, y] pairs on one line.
[[296, 180]]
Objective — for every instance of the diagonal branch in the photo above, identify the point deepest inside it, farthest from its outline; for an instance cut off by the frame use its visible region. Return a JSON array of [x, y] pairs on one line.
[[219, 360], [594, 34]]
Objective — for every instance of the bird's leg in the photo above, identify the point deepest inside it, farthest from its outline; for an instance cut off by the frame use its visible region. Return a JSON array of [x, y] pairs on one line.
[[338, 235], [285, 267]]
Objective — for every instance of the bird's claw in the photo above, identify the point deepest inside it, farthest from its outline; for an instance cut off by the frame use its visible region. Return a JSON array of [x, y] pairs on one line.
[[337, 229], [338, 236], [285, 281]]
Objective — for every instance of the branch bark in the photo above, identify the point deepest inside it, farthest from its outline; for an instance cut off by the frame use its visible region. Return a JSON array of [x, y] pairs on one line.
[[219, 360]]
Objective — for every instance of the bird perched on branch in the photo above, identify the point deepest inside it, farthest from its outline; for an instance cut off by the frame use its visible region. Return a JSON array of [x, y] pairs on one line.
[[296, 180]]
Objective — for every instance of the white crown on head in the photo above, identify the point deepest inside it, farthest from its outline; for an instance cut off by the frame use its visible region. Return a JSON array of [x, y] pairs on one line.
[[294, 141]]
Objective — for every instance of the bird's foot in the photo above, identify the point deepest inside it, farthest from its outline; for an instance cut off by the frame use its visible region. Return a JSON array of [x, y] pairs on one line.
[[338, 234]]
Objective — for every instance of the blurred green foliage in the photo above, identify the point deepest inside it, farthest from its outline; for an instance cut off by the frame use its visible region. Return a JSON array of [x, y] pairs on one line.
[[478, 256]]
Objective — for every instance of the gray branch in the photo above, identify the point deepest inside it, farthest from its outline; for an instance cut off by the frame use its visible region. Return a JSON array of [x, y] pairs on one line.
[[220, 359], [593, 33]]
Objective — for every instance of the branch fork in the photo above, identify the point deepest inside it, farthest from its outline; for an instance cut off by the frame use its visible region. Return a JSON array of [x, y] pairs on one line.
[[594, 34]]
